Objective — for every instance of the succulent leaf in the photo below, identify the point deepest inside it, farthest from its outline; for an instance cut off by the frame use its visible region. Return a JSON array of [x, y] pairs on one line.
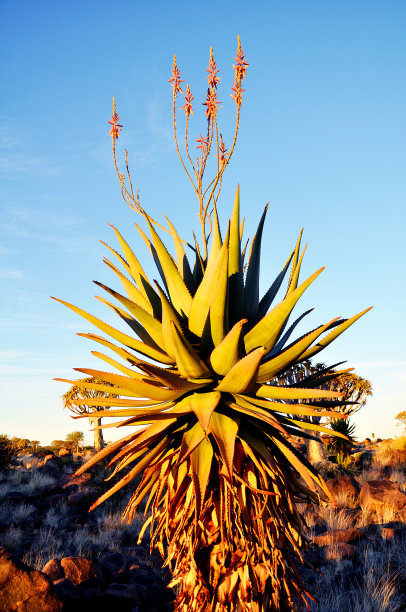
[[227, 353], [266, 332], [251, 292]]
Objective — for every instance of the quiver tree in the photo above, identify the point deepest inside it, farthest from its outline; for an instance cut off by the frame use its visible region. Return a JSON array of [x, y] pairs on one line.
[[355, 391], [74, 439], [198, 380], [92, 405]]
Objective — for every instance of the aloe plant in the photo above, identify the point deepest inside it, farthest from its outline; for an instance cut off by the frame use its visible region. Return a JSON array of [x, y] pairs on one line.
[[210, 424]]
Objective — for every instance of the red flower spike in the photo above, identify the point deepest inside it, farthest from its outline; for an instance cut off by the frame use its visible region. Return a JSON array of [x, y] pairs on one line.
[[203, 144], [115, 126], [223, 151], [175, 79], [211, 103], [212, 78], [237, 95], [241, 64], [188, 108]]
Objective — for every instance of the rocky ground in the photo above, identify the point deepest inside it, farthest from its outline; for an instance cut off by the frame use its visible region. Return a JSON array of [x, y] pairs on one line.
[[57, 556]]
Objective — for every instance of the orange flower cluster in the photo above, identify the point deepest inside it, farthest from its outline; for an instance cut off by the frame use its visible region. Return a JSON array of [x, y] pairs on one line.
[[240, 69], [212, 78], [223, 151], [175, 79], [188, 108], [203, 144], [115, 126], [211, 103]]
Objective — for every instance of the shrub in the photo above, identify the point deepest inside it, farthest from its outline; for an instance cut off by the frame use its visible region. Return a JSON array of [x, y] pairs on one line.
[[8, 451], [342, 445]]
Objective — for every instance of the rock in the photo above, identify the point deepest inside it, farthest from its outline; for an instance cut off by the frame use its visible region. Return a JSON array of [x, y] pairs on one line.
[[24, 589], [50, 457], [338, 535], [328, 469], [341, 550], [114, 567], [52, 500], [68, 593], [80, 570], [388, 533], [80, 498], [312, 557], [343, 485], [377, 493], [42, 454], [53, 569], [82, 479], [137, 569], [52, 468], [117, 596], [398, 459], [16, 496], [363, 458]]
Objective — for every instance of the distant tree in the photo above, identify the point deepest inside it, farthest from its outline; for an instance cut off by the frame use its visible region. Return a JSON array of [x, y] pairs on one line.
[[77, 393], [75, 437], [401, 417], [8, 450], [57, 444], [35, 444], [355, 389], [24, 444]]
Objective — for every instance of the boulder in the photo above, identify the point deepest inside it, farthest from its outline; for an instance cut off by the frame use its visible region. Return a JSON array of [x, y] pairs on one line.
[[118, 596], [114, 567], [50, 457], [388, 533], [69, 594], [43, 454], [378, 493], [53, 569], [82, 500], [82, 479], [398, 458], [341, 550], [23, 589], [343, 485], [80, 570], [338, 535]]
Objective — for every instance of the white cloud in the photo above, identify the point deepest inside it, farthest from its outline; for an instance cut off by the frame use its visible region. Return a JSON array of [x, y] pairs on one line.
[[12, 273], [16, 159]]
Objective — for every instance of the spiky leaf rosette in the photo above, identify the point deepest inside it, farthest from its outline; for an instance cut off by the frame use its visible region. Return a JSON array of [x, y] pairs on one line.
[[210, 425]]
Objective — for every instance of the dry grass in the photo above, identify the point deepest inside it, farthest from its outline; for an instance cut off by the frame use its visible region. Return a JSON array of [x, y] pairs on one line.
[[399, 477], [336, 518], [385, 451], [371, 474], [12, 539], [367, 585], [345, 499], [373, 588]]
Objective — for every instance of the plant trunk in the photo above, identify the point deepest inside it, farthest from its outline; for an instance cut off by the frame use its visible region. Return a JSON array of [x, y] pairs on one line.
[[95, 422]]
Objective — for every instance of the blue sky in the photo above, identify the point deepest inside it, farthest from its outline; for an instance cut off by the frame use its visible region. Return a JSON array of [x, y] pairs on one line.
[[322, 137]]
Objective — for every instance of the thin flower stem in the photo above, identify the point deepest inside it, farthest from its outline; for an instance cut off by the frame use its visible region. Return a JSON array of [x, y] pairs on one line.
[[187, 143], [177, 145], [228, 158]]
